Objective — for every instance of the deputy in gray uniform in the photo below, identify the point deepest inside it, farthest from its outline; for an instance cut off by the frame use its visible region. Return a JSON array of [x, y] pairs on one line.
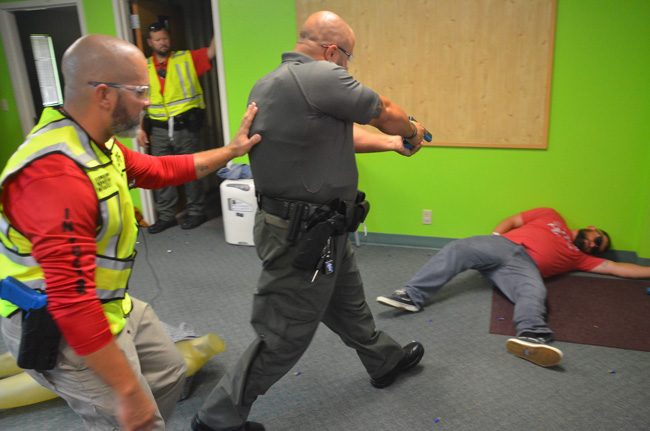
[[306, 176]]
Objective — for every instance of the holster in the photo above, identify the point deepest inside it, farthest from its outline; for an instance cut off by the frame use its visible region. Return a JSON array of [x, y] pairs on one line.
[[146, 125], [39, 341], [194, 119], [312, 242], [359, 212], [40, 337]]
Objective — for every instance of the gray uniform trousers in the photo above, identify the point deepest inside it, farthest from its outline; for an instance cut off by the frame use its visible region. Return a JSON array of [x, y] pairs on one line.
[[184, 141], [500, 260], [151, 353], [287, 309]]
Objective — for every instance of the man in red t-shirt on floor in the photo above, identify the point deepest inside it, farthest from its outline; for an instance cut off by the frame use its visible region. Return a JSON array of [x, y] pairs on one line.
[[524, 249]]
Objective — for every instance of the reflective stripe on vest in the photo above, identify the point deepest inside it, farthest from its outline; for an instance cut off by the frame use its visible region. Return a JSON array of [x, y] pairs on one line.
[[182, 87], [117, 233]]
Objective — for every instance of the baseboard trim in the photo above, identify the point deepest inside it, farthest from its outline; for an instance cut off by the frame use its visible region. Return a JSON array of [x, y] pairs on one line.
[[372, 238]]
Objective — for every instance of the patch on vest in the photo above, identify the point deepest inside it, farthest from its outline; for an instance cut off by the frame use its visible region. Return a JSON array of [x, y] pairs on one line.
[[103, 182]]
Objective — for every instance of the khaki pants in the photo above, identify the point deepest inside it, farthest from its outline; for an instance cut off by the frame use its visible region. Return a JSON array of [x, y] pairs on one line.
[[151, 353]]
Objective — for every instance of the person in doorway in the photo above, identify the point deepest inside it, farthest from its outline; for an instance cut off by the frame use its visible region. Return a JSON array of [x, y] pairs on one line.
[[174, 120], [306, 178], [524, 249], [69, 231]]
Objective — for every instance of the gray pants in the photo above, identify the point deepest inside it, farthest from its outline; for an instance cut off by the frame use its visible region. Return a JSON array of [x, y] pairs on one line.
[[287, 309], [183, 142], [151, 353], [500, 260]]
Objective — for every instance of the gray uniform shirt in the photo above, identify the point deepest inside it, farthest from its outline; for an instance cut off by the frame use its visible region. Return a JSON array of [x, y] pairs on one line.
[[306, 113]]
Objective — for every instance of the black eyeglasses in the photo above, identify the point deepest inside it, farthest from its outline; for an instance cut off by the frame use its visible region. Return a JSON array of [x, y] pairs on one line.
[[157, 26], [141, 91], [347, 54]]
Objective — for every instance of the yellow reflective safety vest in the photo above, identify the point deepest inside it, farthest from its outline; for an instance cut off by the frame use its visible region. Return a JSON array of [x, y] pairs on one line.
[[182, 87], [117, 230]]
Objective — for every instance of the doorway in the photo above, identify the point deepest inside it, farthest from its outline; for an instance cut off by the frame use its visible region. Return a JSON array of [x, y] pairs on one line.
[[62, 25], [191, 27], [59, 19]]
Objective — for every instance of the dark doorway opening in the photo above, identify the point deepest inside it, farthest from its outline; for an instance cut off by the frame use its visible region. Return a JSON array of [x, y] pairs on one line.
[[190, 22], [62, 25]]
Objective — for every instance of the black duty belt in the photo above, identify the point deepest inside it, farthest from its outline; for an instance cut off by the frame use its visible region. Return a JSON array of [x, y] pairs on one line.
[[179, 123], [286, 209]]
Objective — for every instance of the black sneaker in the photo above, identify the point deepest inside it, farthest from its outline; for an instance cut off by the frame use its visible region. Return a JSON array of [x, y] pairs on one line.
[[193, 221], [399, 299], [534, 348], [197, 425], [413, 352], [161, 225]]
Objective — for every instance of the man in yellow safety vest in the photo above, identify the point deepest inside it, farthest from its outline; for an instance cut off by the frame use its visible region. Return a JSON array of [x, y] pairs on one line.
[[174, 120], [68, 230]]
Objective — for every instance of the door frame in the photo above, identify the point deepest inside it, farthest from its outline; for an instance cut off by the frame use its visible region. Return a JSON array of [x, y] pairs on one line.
[[123, 27], [14, 51]]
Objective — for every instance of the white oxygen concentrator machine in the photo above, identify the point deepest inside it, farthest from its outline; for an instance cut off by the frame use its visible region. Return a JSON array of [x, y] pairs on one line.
[[238, 205]]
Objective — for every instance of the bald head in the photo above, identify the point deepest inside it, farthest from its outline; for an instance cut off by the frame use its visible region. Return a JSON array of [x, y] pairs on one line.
[[325, 27], [101, 58]]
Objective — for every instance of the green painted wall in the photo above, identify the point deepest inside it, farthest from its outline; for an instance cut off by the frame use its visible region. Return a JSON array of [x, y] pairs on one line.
[[99, 16], [10, 131], [254, 34], [595, 169]]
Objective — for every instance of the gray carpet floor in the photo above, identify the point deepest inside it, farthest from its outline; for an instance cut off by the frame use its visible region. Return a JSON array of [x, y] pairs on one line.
[[466, 380]]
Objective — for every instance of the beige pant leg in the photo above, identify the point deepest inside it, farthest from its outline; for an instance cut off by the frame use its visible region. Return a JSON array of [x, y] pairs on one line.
[[143, 341]]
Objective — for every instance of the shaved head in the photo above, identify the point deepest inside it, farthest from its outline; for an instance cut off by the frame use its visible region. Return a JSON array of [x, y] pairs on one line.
[[101, 58], [105, 108], [324, 27]]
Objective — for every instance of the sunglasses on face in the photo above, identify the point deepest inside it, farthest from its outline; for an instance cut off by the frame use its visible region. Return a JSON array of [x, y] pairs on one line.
[[598, 241]]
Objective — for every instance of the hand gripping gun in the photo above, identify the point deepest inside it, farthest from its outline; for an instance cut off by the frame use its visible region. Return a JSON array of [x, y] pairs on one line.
[[427, 136]]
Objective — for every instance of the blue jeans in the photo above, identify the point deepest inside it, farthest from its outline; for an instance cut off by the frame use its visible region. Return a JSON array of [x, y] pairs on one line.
[[500, 260]]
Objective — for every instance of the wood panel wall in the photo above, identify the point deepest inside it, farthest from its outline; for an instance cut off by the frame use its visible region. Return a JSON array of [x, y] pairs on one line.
[[476, 73]]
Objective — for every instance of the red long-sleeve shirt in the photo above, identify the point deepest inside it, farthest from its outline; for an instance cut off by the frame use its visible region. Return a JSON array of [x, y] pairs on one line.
[[54, 189]]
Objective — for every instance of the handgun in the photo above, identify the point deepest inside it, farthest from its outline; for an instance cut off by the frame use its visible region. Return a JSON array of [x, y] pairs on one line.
[[19, 294], [427, 136]]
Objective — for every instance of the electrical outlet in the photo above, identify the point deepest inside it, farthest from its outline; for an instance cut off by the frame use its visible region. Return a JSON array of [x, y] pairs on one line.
[[426, 216]]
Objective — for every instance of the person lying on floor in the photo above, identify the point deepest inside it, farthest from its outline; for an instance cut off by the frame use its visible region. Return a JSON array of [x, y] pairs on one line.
[[523, 249]]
